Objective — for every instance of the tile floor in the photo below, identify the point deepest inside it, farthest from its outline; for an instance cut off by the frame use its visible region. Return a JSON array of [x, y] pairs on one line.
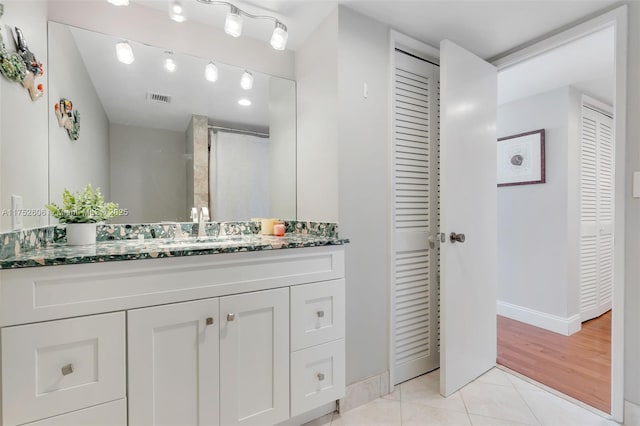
[[495, 399]]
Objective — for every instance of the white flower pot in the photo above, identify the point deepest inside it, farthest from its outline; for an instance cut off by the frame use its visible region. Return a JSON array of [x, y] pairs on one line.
[[81, 234]]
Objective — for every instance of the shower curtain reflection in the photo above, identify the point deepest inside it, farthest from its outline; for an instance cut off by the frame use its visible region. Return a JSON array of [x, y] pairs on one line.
[[238, 176]]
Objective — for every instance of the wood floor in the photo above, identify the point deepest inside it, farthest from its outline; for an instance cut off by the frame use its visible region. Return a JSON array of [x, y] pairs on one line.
[[578, 365]]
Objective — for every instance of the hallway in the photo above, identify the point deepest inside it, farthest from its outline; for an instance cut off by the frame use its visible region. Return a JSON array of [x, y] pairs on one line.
[[578, 365]]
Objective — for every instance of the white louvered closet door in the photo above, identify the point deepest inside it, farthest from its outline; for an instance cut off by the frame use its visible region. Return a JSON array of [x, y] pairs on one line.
[[415, 217], [596, 213]]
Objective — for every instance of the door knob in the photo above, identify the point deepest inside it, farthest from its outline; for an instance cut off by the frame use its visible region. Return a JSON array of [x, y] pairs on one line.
[[456, 237], [209, 321], [231, 317]]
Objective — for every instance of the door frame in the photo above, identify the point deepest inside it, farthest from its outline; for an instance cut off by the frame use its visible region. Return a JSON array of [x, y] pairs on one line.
[[618, 19]]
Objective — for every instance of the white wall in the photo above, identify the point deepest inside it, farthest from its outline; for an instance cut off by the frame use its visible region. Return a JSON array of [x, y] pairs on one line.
[[282, 148], [533, 219], [74, 164], [363, 195], [317, 101], [632, 240], [152, 26], [148, 174], [23, 135]]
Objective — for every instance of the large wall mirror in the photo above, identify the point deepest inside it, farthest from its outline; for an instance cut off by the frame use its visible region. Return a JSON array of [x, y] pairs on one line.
[[160, 139]]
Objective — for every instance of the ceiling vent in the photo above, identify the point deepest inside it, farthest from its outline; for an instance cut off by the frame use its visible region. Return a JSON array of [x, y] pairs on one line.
[[158, 97]]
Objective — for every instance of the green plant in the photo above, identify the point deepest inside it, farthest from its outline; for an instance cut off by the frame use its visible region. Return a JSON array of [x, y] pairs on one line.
[[87, 206]]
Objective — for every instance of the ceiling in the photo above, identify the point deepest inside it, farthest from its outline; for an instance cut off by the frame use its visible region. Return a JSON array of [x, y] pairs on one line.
[[487, 28], [123, 89], [587, 64]]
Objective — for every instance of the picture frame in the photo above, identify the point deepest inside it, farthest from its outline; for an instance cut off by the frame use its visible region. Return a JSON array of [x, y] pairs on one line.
[[521, 159]]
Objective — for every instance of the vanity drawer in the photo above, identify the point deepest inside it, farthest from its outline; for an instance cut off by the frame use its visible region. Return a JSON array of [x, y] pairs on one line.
[[317, 313], [110, 414], [60, 366], [317, 376]]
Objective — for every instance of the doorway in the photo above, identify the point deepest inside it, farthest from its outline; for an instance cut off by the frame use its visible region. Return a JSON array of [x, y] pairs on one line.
[[555, 238], [616, 19]]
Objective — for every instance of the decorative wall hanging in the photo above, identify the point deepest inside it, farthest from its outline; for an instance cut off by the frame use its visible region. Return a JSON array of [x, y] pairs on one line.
[[521, 159], [34, 67], [68, 118], [22, 66]]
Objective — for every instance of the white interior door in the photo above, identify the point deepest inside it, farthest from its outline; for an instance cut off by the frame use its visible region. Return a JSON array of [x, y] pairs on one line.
[[596, 213], [468, 100], [415, 217]]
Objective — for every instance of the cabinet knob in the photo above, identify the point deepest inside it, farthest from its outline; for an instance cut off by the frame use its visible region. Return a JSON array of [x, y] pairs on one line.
[[67, 369], [231, 317], [209, 321], [320, 376], [320, 314]]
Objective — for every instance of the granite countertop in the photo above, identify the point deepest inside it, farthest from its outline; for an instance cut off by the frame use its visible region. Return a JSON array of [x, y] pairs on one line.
[[133, 249]]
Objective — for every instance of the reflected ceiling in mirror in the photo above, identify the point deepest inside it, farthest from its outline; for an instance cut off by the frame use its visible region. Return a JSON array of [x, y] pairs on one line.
[[145, 131], [146, 94]]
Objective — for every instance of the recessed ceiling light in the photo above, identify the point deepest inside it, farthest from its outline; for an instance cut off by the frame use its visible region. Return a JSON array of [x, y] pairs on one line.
[[119, 2], [244, 102]]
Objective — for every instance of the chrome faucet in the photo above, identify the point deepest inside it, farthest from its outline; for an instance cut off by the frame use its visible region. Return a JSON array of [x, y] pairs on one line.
[[202, 219]]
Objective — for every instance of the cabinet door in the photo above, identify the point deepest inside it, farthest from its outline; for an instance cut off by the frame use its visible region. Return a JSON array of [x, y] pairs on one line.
[[174, 364], [254, 358]]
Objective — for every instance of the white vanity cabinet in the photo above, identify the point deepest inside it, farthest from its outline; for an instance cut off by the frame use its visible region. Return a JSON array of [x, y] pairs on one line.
[[173, 357], [229, 339], [213, 361]]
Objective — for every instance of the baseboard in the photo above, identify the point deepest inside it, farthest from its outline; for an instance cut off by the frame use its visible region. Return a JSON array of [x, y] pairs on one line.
[[561, 325], [309, 416], [364, 391], [631, 413]]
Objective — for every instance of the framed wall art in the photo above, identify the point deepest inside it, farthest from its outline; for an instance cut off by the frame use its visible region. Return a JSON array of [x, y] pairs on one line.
[[521, 159]]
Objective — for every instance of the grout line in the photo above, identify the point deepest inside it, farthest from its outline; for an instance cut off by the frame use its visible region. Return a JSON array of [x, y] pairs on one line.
[[526, 403]]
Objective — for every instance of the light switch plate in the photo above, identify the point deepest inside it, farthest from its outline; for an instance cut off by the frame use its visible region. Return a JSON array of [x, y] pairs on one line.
[[636, 184]]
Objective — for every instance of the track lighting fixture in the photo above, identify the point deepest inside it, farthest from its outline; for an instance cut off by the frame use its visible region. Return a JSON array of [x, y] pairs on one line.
[[234, 20], [279, 36], [176, 11], [211, 72], [169, 62], [124, 52], [246, 81]]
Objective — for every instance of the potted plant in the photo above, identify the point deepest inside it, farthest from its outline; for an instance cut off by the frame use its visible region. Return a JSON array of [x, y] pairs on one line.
[[80, 212]]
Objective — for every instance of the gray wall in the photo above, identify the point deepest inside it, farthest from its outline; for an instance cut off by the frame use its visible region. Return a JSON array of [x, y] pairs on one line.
[[74, 164], [363, 195], [148, 174], [23, 135], [533, 219], [632, 240], [317, 101], [343, 168]]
